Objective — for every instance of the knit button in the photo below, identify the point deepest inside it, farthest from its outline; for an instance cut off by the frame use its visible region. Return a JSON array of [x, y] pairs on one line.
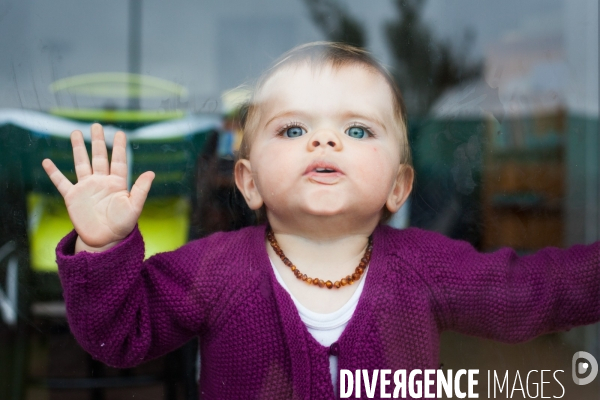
[[334, 349]]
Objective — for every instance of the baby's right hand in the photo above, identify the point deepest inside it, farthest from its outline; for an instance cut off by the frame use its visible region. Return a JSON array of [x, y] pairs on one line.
[[101, 209]]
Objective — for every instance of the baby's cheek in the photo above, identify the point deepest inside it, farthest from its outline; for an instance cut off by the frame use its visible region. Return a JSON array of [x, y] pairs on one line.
[[377, 175], [386, 167]]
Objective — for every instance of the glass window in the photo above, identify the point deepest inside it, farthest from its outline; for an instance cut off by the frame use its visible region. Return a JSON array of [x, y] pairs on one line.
[[502, 107]]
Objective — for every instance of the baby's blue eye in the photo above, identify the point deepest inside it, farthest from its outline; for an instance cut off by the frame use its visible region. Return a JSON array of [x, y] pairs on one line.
[[294, 131], [356, 132]]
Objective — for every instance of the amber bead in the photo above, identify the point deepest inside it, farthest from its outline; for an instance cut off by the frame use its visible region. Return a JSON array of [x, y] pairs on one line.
[[348, 280]]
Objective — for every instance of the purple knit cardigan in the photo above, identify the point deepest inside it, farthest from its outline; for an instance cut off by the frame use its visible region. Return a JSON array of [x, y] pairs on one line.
[[124, 310]]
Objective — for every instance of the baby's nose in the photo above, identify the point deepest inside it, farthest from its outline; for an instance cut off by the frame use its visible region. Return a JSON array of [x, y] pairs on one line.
[[317, 143], [325, 137]]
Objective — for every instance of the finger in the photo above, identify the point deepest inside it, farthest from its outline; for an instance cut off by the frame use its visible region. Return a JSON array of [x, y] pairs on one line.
[[80, 156], [58, 179], [118, 162], [140, 190], [99, 154]]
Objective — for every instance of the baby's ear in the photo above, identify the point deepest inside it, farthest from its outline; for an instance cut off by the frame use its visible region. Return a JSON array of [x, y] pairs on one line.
[[246, 184], [401, 189]]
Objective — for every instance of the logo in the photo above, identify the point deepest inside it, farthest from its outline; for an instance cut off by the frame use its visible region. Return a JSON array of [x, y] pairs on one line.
[[580, 368]]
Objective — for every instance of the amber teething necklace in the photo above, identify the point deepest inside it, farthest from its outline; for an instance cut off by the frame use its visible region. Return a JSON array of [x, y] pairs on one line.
[[348, 280]]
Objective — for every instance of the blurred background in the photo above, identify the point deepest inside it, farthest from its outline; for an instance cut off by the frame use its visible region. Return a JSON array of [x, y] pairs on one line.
[[503, 118]]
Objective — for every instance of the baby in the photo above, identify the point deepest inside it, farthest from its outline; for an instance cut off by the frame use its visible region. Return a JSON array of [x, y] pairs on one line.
[[280, 308]]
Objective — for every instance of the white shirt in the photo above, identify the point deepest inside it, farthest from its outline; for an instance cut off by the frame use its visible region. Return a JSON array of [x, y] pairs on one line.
[[327, 328]]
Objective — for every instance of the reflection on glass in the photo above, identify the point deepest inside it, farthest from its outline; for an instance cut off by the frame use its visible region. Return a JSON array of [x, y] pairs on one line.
[[502, 106]]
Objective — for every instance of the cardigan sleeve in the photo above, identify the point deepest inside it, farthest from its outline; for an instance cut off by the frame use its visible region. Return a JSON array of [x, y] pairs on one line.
[[508, 298], [124, 310]]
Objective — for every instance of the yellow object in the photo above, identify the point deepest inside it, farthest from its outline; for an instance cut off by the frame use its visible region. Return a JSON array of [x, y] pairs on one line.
[[48, 222], [119, 84], [116, 115], [164, 224]]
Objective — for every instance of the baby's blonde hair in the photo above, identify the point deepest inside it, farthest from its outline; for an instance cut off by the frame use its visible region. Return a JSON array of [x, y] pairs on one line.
[[337, 56]]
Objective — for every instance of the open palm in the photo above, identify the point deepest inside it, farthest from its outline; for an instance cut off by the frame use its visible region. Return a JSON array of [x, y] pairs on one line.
[[101, 209]]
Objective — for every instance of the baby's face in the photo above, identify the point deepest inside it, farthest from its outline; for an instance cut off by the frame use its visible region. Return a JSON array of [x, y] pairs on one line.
[[326, 143]]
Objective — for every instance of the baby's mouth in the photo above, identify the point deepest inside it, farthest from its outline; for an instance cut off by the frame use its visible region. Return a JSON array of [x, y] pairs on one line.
[[325, 170], [322, 167]]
